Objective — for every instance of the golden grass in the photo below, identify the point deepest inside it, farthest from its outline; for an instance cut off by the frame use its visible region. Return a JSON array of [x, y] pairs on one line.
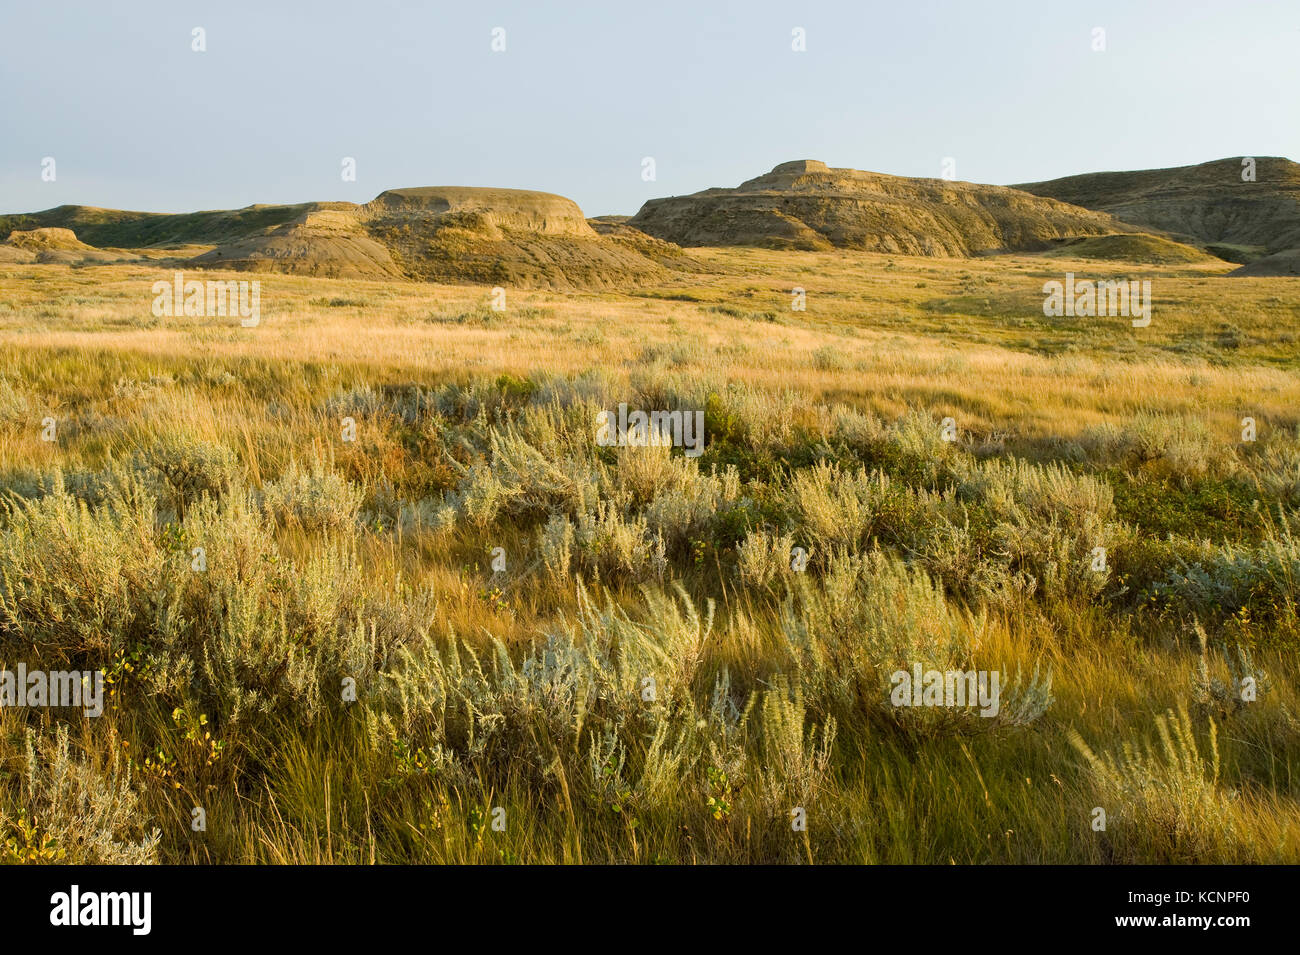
[[882, 334]]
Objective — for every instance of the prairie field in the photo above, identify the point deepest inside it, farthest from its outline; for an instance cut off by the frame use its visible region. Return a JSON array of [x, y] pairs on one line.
[[366, 588]]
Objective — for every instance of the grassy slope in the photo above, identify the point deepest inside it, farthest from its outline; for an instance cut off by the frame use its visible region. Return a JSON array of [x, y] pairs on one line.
[[393, 533], [1144, 249], [114, 228]]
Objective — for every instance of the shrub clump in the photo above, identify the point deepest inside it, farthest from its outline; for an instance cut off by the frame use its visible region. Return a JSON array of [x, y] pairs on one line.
[[74, 813]]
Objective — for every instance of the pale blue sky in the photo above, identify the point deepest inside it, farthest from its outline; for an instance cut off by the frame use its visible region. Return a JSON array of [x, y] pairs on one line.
[[712, 90]]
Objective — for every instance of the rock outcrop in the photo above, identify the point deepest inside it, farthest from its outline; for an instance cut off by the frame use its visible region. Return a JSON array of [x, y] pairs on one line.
[[1210, 204], [807, 205]]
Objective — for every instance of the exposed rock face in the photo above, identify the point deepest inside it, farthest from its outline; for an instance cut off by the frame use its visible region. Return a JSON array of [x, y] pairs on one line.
[[328, 241], [442, 233], [38, 240], [505, 237], [616, 229], [1209, 204], [799, 167], [487, 209], [52, 245], [807, 205]]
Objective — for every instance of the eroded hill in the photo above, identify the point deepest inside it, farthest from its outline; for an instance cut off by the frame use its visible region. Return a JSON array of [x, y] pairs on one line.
[[807, 205], [54, 245], [533, 239], [1143, 248], [445, 234], [1209, 204], [501, 236]]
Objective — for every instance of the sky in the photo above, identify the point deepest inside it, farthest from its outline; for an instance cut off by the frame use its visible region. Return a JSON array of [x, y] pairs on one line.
[[713, 91]]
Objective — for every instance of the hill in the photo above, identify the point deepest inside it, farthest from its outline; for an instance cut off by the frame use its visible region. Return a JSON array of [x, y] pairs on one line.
[[1286, 262], [807, 205], [535, 239], [445, 234], [53, 245], [1143, 248], [502, 236], [327, 239], [136, 230], [1207, 204]]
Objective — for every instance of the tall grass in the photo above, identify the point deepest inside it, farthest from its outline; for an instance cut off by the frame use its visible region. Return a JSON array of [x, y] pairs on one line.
[[344, 676]]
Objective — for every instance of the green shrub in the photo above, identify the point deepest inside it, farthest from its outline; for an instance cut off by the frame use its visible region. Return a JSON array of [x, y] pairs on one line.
[[73, 813], [316, 499], [190, 468]]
